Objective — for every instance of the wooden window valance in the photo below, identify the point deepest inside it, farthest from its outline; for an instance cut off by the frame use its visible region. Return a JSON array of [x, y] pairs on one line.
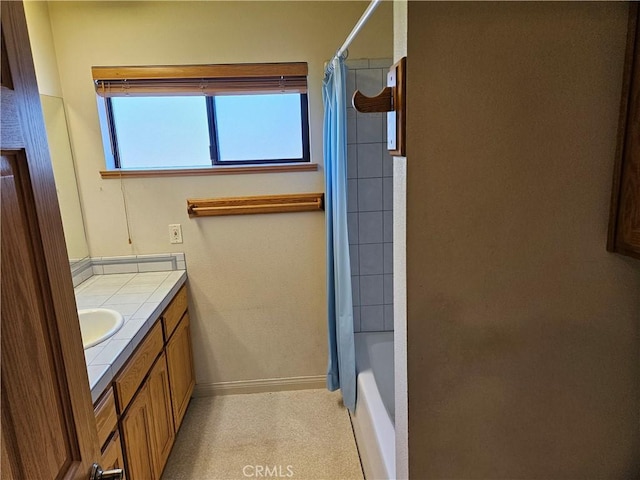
[[233, 79]]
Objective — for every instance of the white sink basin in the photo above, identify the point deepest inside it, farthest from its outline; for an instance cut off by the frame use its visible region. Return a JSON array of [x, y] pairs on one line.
[[98, 324]]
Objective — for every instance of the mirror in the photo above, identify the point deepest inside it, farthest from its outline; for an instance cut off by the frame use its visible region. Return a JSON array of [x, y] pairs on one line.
[[65, 176]]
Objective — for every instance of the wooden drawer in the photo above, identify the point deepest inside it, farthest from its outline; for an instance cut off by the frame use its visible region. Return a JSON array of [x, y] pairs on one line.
[[172, 315], [130, 377], [106, 417]]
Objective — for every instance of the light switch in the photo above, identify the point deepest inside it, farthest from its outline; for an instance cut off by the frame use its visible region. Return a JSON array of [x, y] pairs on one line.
[[175, 233]]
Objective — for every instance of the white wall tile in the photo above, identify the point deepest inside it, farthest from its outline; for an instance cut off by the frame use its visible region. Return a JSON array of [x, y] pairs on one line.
[[371, 258], [120, 268], [387, 162], [369, 128], [380, 63], [370, 82], [387, 193], [388, 289], [369, 194], [357, 63], [352, 126], [155, 266], [352, 161], [388, 258], [352, 195], [388, 318], [387, 219], [371, 290], [372, 318], [369, 160], [352, 227], [370, 227]]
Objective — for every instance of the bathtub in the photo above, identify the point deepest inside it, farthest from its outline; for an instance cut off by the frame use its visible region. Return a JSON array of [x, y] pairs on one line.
[[373, 420]]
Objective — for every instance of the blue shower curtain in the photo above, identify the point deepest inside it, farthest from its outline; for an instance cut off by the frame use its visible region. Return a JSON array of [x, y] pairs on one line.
[[342, 364]]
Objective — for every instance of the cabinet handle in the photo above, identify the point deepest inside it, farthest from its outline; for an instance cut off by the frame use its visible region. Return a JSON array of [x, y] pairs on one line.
[[98, 474]]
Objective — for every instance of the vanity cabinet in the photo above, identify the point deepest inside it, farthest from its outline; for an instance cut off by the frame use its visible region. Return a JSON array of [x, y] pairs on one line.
[[624, 221], [150, 396]]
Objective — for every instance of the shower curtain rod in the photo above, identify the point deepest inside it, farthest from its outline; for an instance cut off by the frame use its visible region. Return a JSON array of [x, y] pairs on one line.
[[363, 19]]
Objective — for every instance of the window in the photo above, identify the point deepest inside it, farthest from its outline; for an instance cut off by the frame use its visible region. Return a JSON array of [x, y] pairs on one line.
[[203, 115]]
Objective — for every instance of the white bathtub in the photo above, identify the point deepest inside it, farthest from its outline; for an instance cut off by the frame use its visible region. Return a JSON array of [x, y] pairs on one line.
[[373, 420]]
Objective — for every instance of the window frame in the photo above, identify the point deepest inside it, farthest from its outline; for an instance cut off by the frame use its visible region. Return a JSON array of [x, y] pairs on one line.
[[209, 81], [214, 147]]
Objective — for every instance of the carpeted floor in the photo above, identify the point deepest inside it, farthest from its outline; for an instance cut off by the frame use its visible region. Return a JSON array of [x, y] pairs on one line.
[[301, 435]]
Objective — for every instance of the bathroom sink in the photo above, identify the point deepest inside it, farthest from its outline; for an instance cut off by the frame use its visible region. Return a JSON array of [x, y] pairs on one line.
[[98, 324]]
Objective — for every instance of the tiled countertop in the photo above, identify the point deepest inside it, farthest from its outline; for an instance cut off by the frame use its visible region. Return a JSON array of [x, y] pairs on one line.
[[140, 298]]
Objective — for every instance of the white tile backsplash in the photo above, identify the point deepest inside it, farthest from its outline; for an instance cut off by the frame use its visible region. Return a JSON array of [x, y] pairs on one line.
[[154, 266], [120, 268]]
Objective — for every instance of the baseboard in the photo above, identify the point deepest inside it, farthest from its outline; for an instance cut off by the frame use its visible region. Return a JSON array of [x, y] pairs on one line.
[[260, 386]]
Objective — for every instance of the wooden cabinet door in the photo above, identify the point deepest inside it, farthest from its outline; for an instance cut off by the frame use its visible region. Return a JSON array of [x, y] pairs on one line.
[[163, 432], [624, 224], [48, 427], [181, 373], [112, 457], [136, 428]]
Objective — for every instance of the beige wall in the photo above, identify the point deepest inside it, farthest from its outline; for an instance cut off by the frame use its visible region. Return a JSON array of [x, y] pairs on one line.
[[257, 283], [43, 48], [523, 331]]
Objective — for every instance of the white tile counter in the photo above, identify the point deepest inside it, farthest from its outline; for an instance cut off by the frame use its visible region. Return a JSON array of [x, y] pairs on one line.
[[140, 298]]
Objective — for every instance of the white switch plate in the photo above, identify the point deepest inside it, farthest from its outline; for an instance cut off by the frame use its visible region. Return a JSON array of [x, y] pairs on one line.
[[175, 233]]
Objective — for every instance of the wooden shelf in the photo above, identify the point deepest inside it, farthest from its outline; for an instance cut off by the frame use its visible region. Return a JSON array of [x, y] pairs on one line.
[[297, 202]]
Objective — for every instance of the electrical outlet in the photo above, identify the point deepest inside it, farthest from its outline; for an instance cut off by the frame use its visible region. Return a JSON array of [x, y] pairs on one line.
[[175, 233]]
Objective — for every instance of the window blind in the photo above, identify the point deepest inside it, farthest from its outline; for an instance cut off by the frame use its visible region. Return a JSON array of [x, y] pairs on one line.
[[232, 79]]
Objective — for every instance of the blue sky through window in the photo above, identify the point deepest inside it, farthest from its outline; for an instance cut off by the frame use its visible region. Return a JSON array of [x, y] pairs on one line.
[[161, 132], [259, 127]]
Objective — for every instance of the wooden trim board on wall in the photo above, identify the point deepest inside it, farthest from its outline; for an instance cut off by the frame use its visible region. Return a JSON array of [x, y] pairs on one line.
[[260, 386]]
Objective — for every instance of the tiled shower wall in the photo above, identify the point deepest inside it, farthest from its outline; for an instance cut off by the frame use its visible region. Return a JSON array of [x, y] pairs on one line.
[[370, 202]]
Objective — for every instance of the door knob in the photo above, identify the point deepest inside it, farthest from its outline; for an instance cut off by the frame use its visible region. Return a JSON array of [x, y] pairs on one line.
[[98, 474]]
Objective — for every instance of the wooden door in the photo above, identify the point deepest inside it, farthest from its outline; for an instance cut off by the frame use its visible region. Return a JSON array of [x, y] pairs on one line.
[[138, 442], [181, 373], [624, 222], [162, 431], [48, 428]]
